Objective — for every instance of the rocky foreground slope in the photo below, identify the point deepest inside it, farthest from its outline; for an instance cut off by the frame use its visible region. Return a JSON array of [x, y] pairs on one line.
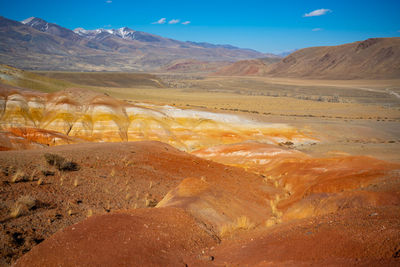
[[339, 210]]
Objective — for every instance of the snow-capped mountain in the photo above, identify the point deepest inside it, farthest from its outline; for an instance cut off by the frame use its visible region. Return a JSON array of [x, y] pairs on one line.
[[37, 44], [36, 23], [124, 32], [51, 28]]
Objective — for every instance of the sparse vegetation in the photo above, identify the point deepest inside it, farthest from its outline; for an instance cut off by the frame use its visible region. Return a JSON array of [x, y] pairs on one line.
[[23, 204], [241, 223], [33, 174], [60, 163], [19, 176]]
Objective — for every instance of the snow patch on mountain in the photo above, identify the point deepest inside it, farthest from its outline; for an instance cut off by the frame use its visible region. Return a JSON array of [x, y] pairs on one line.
[[124, 32], [26, 21]]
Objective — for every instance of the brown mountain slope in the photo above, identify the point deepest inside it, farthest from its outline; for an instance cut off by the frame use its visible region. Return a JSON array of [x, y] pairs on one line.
[[372, 58], [193, 65], [245, 68], [37, 44]]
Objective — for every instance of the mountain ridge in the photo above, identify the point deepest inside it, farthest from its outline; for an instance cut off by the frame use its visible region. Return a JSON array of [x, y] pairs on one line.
[[374, 58], [37, 44]]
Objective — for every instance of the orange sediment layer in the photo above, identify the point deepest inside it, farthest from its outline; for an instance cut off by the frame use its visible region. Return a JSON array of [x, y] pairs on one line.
[[77, 115]]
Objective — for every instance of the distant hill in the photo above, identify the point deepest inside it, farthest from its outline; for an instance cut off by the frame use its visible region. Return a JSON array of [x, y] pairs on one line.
[[257, 67], [369, 59], [37, 44], [192, 65]]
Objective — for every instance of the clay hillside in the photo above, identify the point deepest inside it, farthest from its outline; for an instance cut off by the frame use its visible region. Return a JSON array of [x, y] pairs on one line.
[[372, 58]]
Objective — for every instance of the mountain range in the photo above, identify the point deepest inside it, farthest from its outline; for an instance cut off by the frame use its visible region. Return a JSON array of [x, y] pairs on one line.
[[37, 44], [374, 58]]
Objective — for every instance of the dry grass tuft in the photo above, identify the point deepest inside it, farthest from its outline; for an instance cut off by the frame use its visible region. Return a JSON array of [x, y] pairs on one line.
[[16, 211], [27, 201], [33, 174], [23, 204], [19, 176], [112, 173], [127, 163], [149, 202], [241, 223]]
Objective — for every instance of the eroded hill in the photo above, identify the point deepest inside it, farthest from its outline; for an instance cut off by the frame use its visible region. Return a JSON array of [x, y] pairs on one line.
[[375, 58]]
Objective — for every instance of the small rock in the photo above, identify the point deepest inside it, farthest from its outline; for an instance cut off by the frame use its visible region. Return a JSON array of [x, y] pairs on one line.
[[206, 257]]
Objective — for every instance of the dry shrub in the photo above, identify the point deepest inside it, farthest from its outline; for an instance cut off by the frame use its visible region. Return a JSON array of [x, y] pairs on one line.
[[61, 163], [241, 223], [151, 203]]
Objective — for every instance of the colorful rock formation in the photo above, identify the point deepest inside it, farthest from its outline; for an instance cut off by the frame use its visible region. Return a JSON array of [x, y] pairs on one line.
[[78, 115]]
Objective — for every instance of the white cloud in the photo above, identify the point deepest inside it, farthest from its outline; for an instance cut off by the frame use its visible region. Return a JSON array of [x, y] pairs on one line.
[[108, 1], [173, 21], [317, 29], [160, 21], [186, 22], [318, 12]]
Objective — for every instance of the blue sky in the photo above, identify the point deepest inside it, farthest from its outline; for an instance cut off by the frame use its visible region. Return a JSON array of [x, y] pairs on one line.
[[267, 26]]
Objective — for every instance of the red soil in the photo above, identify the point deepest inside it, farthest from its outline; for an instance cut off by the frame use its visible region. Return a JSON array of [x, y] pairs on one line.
[[159, 237], [299, 211]]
